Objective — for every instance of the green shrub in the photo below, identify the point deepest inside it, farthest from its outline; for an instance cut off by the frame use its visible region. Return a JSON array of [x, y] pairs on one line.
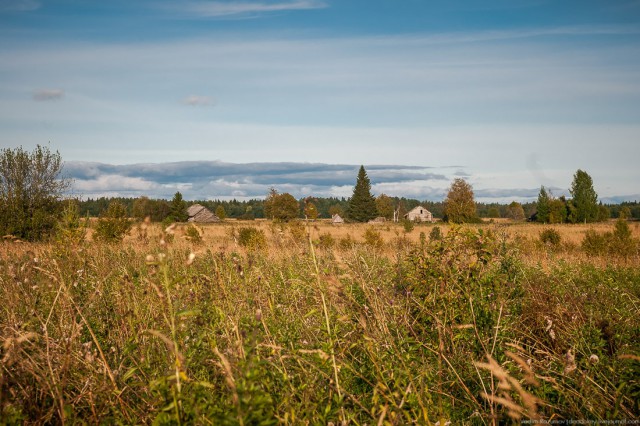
[[114, 223], [298, 231], [618, 243], [71, 229], [30, 191], [622, 242], [407, 225], [347, 242], [326, 241], [193, 233], [373, 238], [252, 238], [550, 237], [594, 243], [435, 234]]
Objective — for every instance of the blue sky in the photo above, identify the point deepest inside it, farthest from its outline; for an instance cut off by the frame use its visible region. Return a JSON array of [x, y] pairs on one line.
[[509, 94]]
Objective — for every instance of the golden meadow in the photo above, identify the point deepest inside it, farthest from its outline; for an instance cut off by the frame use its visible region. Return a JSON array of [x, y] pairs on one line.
[[308, 323]]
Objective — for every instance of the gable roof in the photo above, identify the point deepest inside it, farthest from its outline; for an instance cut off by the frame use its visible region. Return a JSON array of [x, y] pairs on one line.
[[199, 213], [194, 209], [418, 209]]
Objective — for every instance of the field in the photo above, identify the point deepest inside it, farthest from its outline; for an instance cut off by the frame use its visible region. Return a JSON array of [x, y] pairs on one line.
[[320, 324]]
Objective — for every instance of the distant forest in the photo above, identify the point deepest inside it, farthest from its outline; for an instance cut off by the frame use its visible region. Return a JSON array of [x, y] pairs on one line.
[[159, 209]]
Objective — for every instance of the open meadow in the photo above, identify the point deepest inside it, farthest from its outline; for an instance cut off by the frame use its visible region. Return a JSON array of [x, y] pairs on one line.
[[254, 322]]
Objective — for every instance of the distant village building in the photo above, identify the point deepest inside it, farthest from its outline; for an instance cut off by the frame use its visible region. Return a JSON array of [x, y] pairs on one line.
[[200, 214], [336, 219], [419, 214]]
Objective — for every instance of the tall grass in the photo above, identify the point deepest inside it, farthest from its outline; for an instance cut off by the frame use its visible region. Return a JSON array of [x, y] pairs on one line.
[[466, 328]]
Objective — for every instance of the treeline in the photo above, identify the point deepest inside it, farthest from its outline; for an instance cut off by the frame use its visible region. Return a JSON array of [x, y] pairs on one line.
[[159, 209]]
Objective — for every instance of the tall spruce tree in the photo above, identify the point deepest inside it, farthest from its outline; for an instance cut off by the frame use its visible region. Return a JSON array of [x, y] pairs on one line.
[[543, 206], [585, 199], [362, 205], [178, 209]]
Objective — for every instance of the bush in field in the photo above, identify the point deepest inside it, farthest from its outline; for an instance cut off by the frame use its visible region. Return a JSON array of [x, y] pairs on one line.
[[550, 237], [252, 238], [71, 229], [407, 225], [193, 233], [617, 243], [458, 283], [30, 190], [298, 231], [326, 241], [373, 238], [622, 242], [435, 234], [594, 243], [114, 224], [346, 243]]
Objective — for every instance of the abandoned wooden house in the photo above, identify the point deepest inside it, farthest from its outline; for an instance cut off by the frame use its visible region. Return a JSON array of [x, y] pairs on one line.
[[419, 214], [200, 214]]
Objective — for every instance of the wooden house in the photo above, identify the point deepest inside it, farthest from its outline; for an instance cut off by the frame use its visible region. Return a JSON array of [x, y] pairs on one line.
[[419, 214]]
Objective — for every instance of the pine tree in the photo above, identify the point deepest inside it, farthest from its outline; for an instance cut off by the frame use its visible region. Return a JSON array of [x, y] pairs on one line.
[[585, 198], [178, 209], [114, 223], [220, 212], [543, 207], [362, 205]]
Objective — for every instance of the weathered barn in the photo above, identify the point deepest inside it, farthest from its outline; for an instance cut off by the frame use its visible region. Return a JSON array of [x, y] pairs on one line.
[[419, 214], [200, 214], [336, 219]]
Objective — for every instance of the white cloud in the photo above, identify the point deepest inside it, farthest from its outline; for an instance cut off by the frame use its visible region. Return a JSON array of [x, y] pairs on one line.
[[113, 183], [214, 179], [220, 9], [48, 94]]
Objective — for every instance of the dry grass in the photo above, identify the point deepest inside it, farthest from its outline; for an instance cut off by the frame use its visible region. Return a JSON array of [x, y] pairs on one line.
[[160, 328], [216, 232]]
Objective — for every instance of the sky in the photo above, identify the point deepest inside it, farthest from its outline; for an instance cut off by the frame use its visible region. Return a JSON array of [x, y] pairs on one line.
[[226, 99]]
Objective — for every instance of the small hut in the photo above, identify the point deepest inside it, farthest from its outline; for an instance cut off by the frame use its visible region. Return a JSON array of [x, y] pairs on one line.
[[200, 214], [419, 214], [336, 219]]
